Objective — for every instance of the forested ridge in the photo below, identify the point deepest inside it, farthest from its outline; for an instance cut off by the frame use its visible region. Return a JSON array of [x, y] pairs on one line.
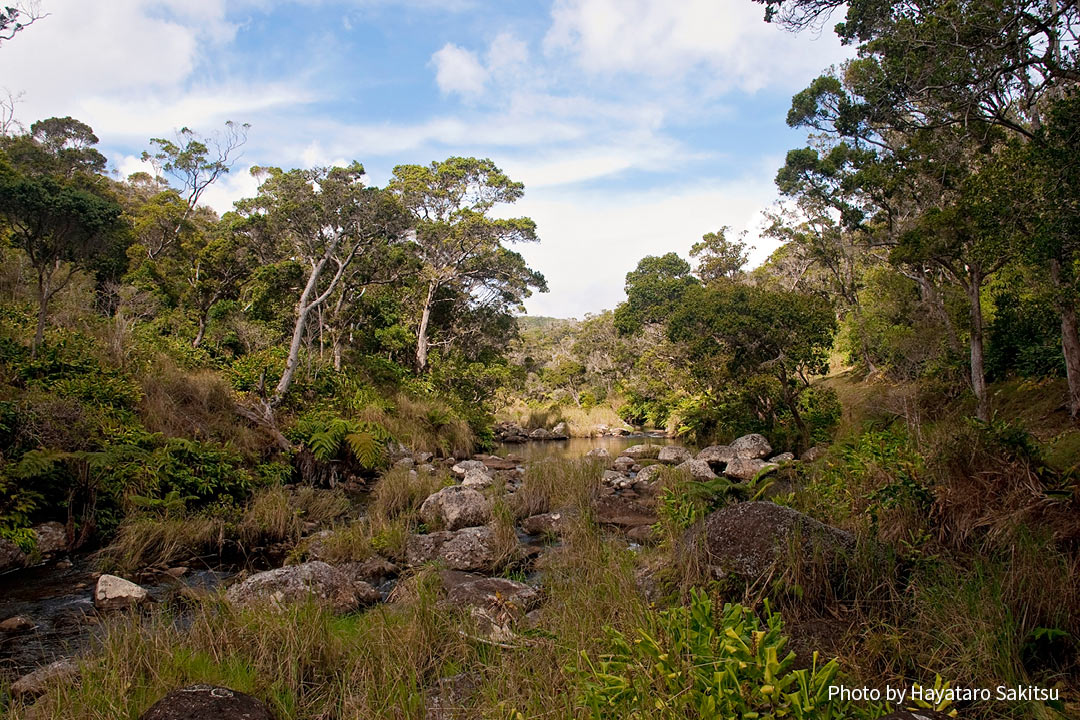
[[312, 450]]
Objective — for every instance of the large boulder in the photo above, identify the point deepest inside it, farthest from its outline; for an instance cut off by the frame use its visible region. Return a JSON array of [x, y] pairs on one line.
[[11, 556], [207, 702], [477, 479], [541, 434], [298, 583], [116, 593], [16, 624], [716, 454], [746, 539], [650, 474], [472, 548], [560, 432], [673, 454], [746, 469], [752, 447], [699, 470], [456, 507], [623, 512], [38, 682], [641, 452], [623, 464]]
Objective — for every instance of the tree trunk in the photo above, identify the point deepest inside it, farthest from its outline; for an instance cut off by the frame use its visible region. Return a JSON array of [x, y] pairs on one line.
[[421, 335], [202, 331], [44, 294], [1070, 339], [978, 373], [303, 309]]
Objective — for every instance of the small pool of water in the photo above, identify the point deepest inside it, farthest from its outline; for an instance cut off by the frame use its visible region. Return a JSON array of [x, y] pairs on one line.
[[578, 447]]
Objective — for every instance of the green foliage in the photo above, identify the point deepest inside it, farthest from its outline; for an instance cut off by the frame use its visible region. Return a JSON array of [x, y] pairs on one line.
[[328, 436], [692, 662]]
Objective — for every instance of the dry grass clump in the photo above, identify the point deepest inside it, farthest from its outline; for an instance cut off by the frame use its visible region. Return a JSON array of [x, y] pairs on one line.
[[192, 404], [274, 514], [423, 424], [558, 485], [581, 422], [401, 491]]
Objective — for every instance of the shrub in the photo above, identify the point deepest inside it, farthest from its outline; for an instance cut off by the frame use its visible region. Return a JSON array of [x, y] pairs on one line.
[[690, 662]]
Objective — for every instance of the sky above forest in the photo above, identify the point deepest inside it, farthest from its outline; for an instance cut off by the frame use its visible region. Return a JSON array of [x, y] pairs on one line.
[[636, 126]]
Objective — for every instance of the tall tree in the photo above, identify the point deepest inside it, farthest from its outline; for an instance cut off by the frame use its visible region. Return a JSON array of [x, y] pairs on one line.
[[16, 18], [457, 241]]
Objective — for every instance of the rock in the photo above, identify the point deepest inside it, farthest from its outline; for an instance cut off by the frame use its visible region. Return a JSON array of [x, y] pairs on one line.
[[493, 462], [560, 431], [599, 453], [51, 538], [456, 507], [422, 457], [916, 715], [642, 534], [699, 470], [297, 583], [472, 549], [496, 593], [406, 462], [366, 594], [623, 464], [541, 434], [19, 623], [463, 467], [716, 454], [782, 457], [176, 572], [37, 682], [749, 537], [639, 452], [622, 512], [207, 702], [64, 565], [551, 523], [673, 454], [116, 593], [11, 556], [814, 453], [477, 479], [752, 447], [650, 474], [375, 570], [746, 469]]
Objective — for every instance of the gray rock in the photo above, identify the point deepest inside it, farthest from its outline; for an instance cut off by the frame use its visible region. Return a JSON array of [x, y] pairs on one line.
[[456, 507], [297, 583], [207, 702], [11, 556], [446, 700], [599, 453], [116, 593], [463, 467], [746, 469], [37, 682], [747, 538], [550, 523], [488, 593], [471, 549], [560, 431], [752, 447], [699, 470], [639, 452], [674, 455], [623, 464], [782, 457], [51, 538], [642, 534], [477, 479], [716, 454], [814, 453], [541, 434], [650, 474]]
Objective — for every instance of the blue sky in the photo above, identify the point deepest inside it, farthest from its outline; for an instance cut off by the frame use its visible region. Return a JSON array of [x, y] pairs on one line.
[[636, 125]]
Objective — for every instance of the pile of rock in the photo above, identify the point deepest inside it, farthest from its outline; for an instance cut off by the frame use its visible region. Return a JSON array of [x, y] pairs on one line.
[[509, 432], [50, 540]]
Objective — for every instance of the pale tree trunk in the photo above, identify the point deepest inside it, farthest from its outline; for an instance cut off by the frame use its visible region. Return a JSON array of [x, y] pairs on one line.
[[421, 335], [46, 290], [978, 372], [1070, 339], [202, 331]]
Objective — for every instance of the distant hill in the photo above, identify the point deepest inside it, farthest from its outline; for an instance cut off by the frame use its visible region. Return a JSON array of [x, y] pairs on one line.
[[539, 322]]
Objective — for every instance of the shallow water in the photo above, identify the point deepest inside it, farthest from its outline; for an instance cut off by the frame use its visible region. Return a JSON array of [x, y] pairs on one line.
[[577, 447]]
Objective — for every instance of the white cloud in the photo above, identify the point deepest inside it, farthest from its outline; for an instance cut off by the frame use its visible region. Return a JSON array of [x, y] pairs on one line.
[[718, 44], [238, 183], [588, 243], [458, 70], [506, 54]]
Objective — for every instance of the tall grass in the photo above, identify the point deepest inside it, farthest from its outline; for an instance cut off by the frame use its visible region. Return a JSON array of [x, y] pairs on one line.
[[558, 485], [423, 424], [581, 422]]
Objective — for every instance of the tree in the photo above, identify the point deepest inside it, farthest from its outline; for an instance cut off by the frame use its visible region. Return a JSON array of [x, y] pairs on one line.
[[719, 257], [62, 147], [194, 163], [324, 218], [653, 289], [18, 17], [61, 228], [456, 241], [754, 332]]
